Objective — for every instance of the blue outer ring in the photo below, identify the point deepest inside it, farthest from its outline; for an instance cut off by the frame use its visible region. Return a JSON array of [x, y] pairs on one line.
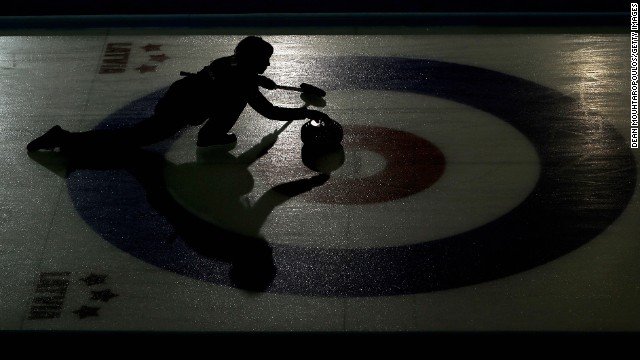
[[587, 179]]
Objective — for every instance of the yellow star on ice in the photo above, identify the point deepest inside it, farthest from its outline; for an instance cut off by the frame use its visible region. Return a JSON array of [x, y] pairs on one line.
[[151, 47], [158, 58], [146, 68]]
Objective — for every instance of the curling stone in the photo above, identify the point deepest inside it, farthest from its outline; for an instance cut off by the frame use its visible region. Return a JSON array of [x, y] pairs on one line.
[[323, 133], [323, 159]]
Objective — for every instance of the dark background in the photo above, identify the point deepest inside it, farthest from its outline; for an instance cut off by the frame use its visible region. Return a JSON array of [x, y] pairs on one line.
[[139, 7]]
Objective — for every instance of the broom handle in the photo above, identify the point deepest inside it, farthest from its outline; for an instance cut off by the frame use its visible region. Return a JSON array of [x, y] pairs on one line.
[[288, 88]]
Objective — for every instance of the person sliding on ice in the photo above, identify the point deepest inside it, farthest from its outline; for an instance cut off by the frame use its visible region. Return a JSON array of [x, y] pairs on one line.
[[215, 96]]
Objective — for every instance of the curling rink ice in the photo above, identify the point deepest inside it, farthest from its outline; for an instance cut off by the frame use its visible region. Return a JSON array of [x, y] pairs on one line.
[[487, 185]]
